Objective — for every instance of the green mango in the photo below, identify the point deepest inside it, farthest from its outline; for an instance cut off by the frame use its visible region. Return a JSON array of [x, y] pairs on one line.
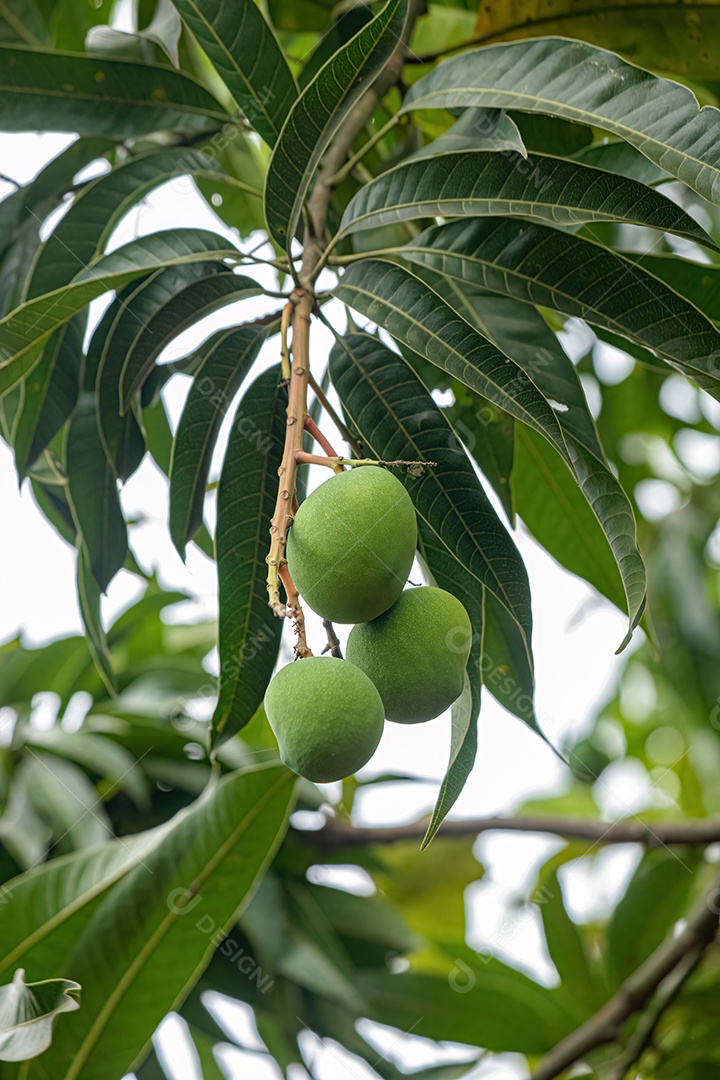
[[415, 653], [327, 717]]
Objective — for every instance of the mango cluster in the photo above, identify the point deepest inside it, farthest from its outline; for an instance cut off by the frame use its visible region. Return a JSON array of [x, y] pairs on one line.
[[349, 552]]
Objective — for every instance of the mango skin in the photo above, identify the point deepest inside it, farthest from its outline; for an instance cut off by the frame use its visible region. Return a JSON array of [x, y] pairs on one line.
[[415, 653], [352, 545], [327, 717]]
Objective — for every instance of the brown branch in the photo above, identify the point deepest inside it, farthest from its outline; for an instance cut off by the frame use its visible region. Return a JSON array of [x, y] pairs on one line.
[[335, 835], [295, 611], [312, 428], [333, 645], [607, 1024]]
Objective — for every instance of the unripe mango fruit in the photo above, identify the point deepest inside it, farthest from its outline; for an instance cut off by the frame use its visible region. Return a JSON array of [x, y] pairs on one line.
[[327, 717], [415, 653], [352, 544]]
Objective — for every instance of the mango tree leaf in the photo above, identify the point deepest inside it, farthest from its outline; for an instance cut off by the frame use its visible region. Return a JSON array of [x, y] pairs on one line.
[[173, 300], [147, 943], [63, 795], [476, 129], [24, 330], [89, 596], [50, 393], [113, 98], [94, 495], [316, 115], [657, 35], [226, 360], [656, 897], [621, 157], [568, 953], [506, 668], [699, 283], [27, 1012], [82, 233], [576, 81], [249, 632], [540, 265], [521, 332], [413, 313], [480, 183], [247, 56]]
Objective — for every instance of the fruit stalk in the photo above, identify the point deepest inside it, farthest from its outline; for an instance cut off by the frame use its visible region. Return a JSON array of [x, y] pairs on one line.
[[302, 300], [294, 606], [312, 428], [333, 461]]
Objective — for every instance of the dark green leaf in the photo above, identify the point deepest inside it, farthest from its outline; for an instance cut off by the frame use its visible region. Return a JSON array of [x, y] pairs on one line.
[[50, 393], [94, 494], [317, 114], [249, 632], [540, 265], [412, 312], [89, 603], [576, 81], [479, 183], [99, 97], [247, 55], [476, 129], [226, 359]]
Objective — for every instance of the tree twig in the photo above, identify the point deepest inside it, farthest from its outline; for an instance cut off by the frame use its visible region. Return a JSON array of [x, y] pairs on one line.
[[607, 1024], [336, 835], [333, 645], [295, 612]]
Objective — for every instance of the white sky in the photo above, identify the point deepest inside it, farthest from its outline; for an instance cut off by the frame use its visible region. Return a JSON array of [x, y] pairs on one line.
[[576, 634]]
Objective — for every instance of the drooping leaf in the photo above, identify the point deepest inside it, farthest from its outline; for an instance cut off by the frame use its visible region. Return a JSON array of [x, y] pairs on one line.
[[80, 236], [173, 300], [579, 82], [94, 495], [50, 393], [567, 950], [247, 55], [27, 1013], [249, 632], [506, 668], [541, 265], [479, 183], [317, 113], [143, 950], [100, 97], [226, 359], [475, 129], [23, 331], [89, 596], [412, 312]]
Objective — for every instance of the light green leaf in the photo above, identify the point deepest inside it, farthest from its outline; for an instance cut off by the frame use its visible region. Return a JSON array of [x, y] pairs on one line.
[[247, 55], [249, 632], [24, 330], [226, 359], [540, 265], [63, 795], [567, 949], [317, 113], [411, 311], [27, 1012], [576, 81], [99, 96], [82, 233], [480, 183], [155, 932]]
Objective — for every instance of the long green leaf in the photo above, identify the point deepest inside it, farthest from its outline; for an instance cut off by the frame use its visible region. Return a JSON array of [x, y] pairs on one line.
[[548, 497], [476, 129], [247, 55], [249, 632], [89, 602], [155, 932], [54, 91], [592, 86], [480, 183], [317, 113], [227, 359], [51, 391], [543, 266], [412, 312], [23, 331], [93, 491], [172, 301], [80, 236]]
